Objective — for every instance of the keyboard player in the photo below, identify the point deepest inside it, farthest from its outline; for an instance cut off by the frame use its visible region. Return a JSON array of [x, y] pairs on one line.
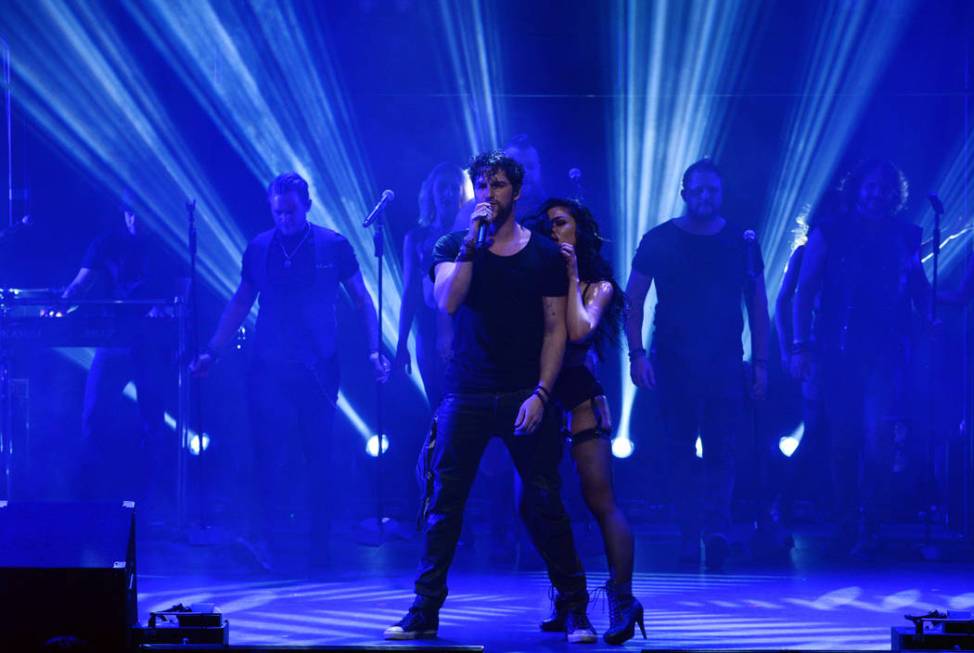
[[132, 265]]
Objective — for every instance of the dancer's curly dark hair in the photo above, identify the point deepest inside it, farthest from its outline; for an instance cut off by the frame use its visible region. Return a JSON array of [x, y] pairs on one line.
[[592, 266]]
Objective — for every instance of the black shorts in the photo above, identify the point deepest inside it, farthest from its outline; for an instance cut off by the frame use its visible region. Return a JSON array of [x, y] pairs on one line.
[[575, 386]]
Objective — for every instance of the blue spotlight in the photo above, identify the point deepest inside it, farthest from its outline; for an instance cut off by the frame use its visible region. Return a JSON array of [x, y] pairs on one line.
[[297, 121], [106, 114], [622, 445], [359, 424], [852, 43], [194, 443], [372, 446], [788, 444], [954, 188], [674, 64], [469, 37]]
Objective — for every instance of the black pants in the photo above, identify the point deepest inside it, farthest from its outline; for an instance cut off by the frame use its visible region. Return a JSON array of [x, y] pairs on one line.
[[293, 408], [700, 489], [463, 425], [864, 401], [152, 460]]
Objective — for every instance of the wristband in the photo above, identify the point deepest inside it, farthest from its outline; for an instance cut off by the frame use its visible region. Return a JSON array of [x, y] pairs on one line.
[[466, 253], [542, 393], [639, 351]]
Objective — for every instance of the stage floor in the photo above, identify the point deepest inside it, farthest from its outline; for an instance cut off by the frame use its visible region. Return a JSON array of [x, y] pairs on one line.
[[805, 602]]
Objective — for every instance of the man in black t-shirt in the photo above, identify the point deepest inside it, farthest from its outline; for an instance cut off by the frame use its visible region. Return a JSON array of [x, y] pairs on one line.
[[295, 270], [703, 267], [507, 299], [499, 484], [134, 266]]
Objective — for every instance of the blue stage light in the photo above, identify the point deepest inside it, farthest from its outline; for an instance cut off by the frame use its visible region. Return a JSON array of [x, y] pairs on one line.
[[622, 446], [194, 443], [954, 187], [852, 43], [231, 58], [674, 65], [788, 444], [106, 114], [469, 37], [372, 445]]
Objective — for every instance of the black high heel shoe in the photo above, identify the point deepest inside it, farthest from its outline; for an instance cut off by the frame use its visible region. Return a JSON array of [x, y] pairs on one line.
[[625, 612]]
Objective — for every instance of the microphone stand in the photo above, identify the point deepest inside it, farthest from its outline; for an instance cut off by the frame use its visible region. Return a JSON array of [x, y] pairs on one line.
[[377, 223], [931, 551], [195, 387]]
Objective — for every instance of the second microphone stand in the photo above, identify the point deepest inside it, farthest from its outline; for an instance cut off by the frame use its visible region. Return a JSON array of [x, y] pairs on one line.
[[383, 524], [929, 550]]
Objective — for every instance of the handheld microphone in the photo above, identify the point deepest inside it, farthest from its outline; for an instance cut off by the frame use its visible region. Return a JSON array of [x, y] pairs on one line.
[[387, 196], [482, 232]]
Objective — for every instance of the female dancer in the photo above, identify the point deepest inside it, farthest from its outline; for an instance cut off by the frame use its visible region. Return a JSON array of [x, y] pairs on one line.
[[440, 197], [594, 316]]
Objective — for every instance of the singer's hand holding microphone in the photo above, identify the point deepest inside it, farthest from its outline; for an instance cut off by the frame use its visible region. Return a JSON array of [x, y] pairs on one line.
[[480, 219]]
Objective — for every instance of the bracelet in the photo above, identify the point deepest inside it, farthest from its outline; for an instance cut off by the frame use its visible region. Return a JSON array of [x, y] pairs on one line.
[[639, 351], [542, 393], [466, 253]]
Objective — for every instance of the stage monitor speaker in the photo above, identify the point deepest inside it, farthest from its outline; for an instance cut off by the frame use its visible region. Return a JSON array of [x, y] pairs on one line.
[[67, 570]]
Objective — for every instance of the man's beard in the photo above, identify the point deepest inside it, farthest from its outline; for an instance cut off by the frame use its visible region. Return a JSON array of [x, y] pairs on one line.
[[707, 214], [876, 210], [500, 219]]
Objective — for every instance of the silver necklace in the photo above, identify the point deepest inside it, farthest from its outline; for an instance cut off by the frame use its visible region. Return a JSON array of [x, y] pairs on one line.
[[288, 257]]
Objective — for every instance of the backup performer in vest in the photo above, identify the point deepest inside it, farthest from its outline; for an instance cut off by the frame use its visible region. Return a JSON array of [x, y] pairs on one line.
[[295, 269]]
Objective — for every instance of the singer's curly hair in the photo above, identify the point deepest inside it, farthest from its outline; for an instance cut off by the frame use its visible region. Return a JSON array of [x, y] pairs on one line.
[[892, 175], [592, 266], [289, 182], [487, 163], [427, 201]]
